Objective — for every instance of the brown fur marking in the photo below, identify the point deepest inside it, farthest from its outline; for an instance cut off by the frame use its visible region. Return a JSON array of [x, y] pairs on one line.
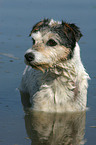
[[37, 26]]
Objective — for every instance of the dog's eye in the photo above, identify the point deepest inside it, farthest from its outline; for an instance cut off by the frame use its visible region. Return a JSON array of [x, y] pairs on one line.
[[51, 42], [33, 41]]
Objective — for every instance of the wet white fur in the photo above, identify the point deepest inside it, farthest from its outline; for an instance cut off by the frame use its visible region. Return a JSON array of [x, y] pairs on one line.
[[53, 91], [52, 22], [36, 35]]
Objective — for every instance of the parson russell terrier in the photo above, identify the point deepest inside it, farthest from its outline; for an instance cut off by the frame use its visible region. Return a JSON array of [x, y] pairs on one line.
[[58, 82]]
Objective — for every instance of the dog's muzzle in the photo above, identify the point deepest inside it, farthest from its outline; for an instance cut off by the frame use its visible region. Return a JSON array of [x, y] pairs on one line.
[[29, 57]]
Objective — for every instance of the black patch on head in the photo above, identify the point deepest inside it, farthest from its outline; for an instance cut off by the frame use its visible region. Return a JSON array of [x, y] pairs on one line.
[[69, 33], [39, 25], [65, 38]]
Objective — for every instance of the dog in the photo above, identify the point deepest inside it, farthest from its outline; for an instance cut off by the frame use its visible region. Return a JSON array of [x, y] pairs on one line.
[[55, 78]]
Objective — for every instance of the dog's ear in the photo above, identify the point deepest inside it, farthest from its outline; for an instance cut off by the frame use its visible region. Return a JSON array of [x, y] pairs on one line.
[[76, 31], [73, 29]]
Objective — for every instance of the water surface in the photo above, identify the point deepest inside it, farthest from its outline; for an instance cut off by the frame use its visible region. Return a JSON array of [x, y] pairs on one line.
[[16, 20]]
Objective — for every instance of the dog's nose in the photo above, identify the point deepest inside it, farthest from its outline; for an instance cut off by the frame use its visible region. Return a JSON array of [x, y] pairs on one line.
[[29, 56]]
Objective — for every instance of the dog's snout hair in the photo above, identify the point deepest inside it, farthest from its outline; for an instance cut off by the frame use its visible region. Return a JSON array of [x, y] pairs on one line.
[[63, 84]]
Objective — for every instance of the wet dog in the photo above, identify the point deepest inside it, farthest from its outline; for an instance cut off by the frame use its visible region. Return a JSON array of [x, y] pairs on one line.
[[58, 82]]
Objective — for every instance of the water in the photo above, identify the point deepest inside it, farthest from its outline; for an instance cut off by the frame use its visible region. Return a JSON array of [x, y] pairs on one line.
[[16, 20]]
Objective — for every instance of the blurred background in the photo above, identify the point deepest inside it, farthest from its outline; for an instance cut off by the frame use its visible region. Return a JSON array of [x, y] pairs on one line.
[[16, 21]]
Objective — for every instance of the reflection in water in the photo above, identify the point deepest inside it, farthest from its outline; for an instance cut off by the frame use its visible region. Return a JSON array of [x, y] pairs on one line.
[[55, 129]]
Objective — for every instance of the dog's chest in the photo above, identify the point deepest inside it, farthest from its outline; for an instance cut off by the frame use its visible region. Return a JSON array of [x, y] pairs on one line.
[[54, 89]]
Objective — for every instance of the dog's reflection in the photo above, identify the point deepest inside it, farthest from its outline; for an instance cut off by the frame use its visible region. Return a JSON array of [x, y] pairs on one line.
[[55, 129]]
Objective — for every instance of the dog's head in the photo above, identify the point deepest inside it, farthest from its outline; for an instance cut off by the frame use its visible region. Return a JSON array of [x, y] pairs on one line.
[[53, 42]]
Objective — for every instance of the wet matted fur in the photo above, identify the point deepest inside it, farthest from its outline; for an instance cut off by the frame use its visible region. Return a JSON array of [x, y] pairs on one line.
[[58, 82]]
